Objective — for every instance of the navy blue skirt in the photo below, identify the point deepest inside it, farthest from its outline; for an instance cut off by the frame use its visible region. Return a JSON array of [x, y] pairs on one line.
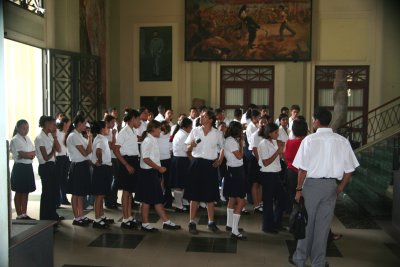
[[202, 183], [254, 170], [79, 179], [128, 181], [101, 180], [235, 183], [179, 171], [149, 189], [22, 178]]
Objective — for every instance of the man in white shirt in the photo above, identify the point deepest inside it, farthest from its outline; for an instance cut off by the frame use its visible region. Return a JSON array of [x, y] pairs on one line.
[[294, 112], [160, 116], [323, 159]]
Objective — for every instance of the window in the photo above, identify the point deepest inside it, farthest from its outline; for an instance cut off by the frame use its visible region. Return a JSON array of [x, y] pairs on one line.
[[242, 85]]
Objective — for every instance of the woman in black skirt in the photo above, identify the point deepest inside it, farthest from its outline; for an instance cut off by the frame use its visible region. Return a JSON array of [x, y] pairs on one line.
[[206, 144], [102, 172], [235, 182], [47, 145], [269, 151], [127, 152], [149, 187], [22, 176], [62, 160], [165, 156], [180, 161], [79, 179]]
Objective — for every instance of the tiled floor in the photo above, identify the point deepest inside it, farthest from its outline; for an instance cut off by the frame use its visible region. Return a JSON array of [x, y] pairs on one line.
[[365, 242]]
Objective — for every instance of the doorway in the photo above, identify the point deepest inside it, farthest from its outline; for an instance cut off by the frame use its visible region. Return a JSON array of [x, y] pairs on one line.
[[23, 85]]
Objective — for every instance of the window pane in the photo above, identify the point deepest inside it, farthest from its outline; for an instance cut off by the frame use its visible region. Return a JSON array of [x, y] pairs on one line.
[[325, 97], [260, 96], [234, 96], [356, 98], [353, 114]]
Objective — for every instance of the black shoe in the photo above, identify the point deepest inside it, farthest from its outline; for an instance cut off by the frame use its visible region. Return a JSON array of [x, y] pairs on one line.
[[149, 230], [213, 227], [183, 210], [80, 223], [107, 220], [86, 219], [26, 217], [192, 229], [238, 237], [258, 209], [131, 225], [101, 225], [245, 212], [171, 226], [290, 259], [60, 218], [66, 202], [229, 229]]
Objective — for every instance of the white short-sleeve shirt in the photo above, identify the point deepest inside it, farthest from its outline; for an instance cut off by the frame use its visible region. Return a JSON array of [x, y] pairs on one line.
[[160, 117], [250, 129], [179, 148], [150, 150], [165, 146], [141, 128], [46, 141], [265, 150], [23, 144], [325, 154], [283, 135], [61, 139], [254, 140], [127, 140], [231, 145], [101, 141], [210, 144], [109, 138], [75, 139]]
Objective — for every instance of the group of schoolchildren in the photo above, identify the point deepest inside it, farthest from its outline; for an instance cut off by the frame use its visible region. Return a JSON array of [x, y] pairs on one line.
[[154, 158]]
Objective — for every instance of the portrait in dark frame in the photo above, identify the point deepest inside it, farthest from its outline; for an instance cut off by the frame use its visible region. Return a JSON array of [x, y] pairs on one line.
[[247, 30], [155, 53]]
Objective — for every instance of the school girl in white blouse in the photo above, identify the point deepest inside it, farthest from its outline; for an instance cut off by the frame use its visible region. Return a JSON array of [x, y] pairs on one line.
[[206, 144], [180, 161], [22, 176], [47, 145], [165, 146], [269, 152], [235, 182], [102, 172], [62, 160], [79, 179], [254, 172], [110, 200], [149, 190], [127, 152]]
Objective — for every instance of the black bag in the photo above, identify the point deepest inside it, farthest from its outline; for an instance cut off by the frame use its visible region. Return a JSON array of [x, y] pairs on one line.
[[298, 220]]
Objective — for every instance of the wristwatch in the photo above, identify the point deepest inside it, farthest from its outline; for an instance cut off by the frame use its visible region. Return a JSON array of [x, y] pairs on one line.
[[299, 189]]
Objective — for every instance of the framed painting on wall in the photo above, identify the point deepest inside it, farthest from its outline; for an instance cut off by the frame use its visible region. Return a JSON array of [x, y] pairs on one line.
[[155, 53], [248, 30]]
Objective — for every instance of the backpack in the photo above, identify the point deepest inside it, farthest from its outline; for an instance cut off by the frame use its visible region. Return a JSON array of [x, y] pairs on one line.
[[298, 219]]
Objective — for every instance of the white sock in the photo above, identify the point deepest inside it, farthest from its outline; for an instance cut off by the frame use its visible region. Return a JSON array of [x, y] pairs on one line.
[[169, 223], [125, 220], [97, 220], [235, 224], [178, 199], [147, 225], [229, 217]]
